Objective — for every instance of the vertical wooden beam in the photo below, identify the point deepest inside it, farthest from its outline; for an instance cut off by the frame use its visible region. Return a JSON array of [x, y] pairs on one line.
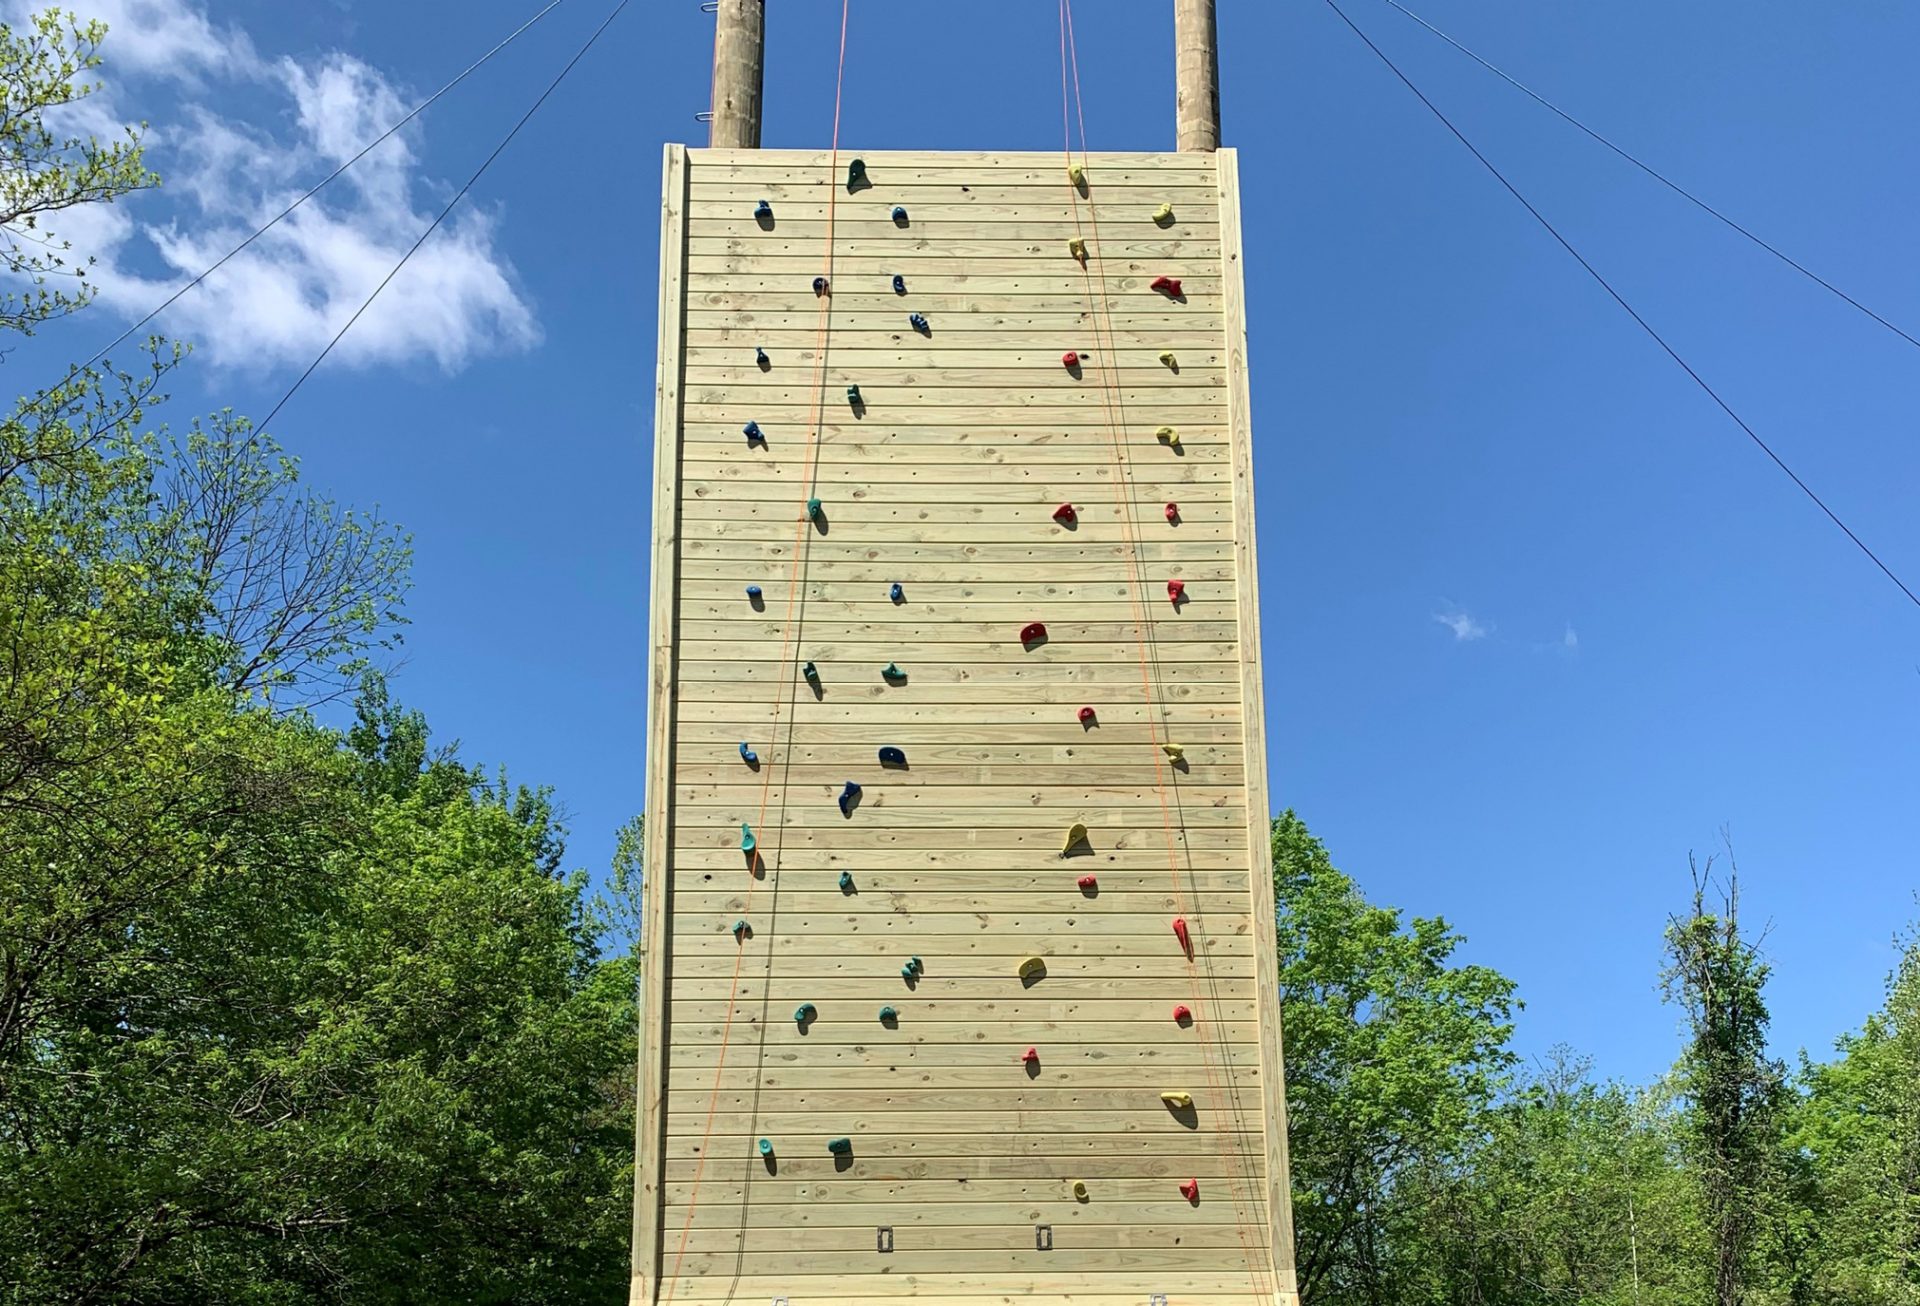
[[649, 1165], [739, 74], [1253, 712], [1196, 68]]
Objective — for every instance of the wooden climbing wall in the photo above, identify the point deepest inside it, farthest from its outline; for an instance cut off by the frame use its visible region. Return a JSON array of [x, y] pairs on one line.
[[961, 1154]]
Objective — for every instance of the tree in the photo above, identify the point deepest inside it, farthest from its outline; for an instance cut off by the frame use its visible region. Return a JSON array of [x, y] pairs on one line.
[[1734, 1090], [47, 172], [1392, 1053]]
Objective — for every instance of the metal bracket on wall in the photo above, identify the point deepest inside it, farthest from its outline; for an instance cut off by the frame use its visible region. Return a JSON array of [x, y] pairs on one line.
[[1158, 1299], [883, 1238], [1043, 1237]]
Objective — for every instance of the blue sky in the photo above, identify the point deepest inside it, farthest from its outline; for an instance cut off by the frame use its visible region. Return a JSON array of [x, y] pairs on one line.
[[1538, 620]]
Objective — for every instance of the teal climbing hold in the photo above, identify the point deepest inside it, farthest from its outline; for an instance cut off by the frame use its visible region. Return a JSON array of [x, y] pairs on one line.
[[766, 1147], [846, 881], [917, 964], [811, 672], [739, 928], [840, 1146], [804, 1012], [888, 1013], [853, 396], [892, 671], [747, 841], [813, 510]]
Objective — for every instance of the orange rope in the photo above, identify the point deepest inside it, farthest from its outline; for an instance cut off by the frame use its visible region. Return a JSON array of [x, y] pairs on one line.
[[1126, 503], [788, 635]]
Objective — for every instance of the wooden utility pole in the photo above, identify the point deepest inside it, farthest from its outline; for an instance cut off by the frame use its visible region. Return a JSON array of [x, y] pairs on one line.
[[739, 74], [1196, 48]]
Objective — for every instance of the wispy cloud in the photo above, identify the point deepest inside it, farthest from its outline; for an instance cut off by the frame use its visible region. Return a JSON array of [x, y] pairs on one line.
[[228, 172], [1462, 624], [1571, 639]]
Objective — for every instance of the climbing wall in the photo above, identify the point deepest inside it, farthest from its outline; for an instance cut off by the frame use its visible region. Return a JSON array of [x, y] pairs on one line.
[[960, 980]]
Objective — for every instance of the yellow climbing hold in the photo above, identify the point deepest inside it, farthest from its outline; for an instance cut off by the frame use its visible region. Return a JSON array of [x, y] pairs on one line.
[[1169, 435], [1032, 967], [1078, 248], [1077, 174], [1174, 751], [1164, 213], [1079, 1190], [1076, 834], [1179, 1101], [1167, 359]]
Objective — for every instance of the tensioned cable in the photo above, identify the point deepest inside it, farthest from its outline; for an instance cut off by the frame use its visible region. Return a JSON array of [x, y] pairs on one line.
[[441, 217], [1621, 300], [1654, 173], [313, 190]]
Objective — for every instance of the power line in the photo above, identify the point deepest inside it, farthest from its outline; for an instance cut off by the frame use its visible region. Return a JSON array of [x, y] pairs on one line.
[[315, 189], [1654, 173], [434, 226], [1619, 299]]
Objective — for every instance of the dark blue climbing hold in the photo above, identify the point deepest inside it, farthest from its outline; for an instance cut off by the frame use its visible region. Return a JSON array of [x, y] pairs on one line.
[[897, 593], [763, 212], [819, 285], [891, 756], [846, 881], [847, 795], [747, 755], [853, 396], [753, 593], [899, 284], [811, 672], [919, 323], [900, 215], [752, 431], [760, 357], [856, 174]]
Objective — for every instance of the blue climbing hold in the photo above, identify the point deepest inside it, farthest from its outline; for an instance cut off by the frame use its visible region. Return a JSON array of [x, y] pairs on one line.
[[762, 211], [897, 593], [847, 795], [900, 215], [918, 322], [819, 285], [747, 755], [899, 284], [846, 881], [752, 431], [760, 357], [856, 174], [891, 756], [753, 593], [810, 671]]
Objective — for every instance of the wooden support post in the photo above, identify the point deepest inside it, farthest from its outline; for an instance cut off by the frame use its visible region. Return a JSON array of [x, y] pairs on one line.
[[739, 74], [1196, 50]]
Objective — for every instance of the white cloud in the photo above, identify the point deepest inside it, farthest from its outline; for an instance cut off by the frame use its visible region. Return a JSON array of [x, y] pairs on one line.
[[1570, 640], [227, 171], [1462, 624]]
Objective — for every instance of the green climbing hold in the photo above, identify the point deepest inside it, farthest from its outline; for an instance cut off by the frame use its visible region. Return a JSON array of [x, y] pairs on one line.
[[804, 1012], [840, 1146]]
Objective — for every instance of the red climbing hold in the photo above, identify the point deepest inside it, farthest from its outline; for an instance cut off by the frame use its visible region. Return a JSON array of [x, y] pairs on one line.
[[1065, 514], [1086, 716], [1191, 1191], [1182, 1014], [1169, 286], [1176, 590], [1173, 512], [1180, 933], [1032, 632], [1030, 1056], [1088, 883], [1069, 359]]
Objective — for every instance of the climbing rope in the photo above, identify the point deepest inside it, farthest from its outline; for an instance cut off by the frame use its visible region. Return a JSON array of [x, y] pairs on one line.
[[789, 691], [1126, 502]]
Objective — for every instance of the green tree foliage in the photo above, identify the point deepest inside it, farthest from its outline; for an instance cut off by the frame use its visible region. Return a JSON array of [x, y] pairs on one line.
[[43, 72]]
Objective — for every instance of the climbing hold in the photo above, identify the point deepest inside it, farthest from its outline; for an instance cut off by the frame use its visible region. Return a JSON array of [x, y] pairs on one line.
[[840, 1146], [1078, 248], [897, 592], [1164, 213], [1086, 716], [1182, 1013], [847, 795], [762, 211], [888, 1013], [766, 1147], [1077, 174], [1168, 286], [1176, 590], [752, 431], [853, 396], [811, 672], [747, 755], [1032, 969], [1180, 933], [1170, 436], [1177, 752], [1167, 358], [760, 357], [1030, 1057], [1191, 1191], [1076, 835], [892, 671], [846, 881], [891, 756], [1177, 1100], [856, 174], [739, 929], [918, 322], [911, 971], [1079, 1190], [900, 215], [1065, 514], [747, 841], [1070, 359], [899, 284], [753, 593], [813, 510], [819, 285], [1088, 884], [804, 1012], [1173, 513], [1033, 631]]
